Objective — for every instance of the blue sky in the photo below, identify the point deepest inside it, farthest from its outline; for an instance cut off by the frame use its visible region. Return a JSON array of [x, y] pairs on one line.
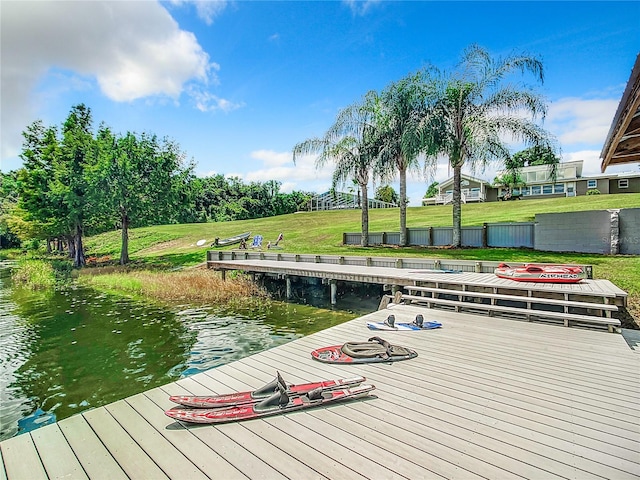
[[238, 83]]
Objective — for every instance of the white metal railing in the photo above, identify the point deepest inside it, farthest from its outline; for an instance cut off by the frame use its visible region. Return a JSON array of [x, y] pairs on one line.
[[446, 198]]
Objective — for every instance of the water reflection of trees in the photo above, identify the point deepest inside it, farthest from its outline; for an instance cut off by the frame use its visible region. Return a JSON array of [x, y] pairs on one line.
[[95, 349], [85, 349]]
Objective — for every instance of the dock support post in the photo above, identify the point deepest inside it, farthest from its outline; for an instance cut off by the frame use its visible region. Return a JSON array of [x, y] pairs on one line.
[[334, 291], [224, 274], [478, 267], [288, 282]]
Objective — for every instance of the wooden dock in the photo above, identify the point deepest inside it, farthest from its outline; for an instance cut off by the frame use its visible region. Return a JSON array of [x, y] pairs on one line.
[[485, 398], [406, 276], [589, 302]]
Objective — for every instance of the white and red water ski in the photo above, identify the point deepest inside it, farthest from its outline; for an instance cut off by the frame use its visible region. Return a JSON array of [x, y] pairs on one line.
[[241, 398], [277, 404]]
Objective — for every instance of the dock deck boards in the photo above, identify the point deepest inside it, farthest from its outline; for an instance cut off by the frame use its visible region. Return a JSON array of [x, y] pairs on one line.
[[485, 398], [406, 276]]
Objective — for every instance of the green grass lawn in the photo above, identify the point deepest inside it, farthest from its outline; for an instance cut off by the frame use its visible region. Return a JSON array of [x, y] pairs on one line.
[[321, 233]]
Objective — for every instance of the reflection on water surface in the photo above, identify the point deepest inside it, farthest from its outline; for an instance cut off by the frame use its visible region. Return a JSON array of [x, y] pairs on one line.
[[66, 352]]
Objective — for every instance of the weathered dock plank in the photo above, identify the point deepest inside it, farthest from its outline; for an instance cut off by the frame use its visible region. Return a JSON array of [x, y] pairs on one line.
[[21, 459], [56, 455]]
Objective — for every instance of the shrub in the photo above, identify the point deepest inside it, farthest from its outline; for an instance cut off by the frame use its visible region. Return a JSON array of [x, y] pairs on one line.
[[35, 274], [595, 191]]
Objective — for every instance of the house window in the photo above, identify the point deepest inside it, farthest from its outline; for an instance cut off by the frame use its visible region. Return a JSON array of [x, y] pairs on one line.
[[536, 190], [547, 189], [525, 191], [623, 183], [592, 184], [558, 188]]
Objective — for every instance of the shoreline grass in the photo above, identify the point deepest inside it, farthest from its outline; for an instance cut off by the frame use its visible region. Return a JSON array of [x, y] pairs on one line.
[[185, 286]]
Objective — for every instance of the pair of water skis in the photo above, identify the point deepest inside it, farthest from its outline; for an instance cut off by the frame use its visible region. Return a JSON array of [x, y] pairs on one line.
[[417, 324], [274, 398], [278, 397]]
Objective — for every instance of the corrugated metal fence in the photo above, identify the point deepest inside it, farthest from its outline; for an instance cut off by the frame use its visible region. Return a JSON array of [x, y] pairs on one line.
[[487, 235]]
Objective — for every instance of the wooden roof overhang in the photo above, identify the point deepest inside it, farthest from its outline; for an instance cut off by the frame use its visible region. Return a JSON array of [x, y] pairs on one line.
[[623, 141]]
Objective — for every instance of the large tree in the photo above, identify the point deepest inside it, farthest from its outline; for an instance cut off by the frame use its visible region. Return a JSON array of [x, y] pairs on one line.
[[403, 135], [70, 185], [477, 111], [352, 145], [138, 180], [43, 216]]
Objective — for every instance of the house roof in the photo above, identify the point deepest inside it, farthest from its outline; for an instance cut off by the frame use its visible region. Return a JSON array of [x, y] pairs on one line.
[[463, 176], [623, 141]]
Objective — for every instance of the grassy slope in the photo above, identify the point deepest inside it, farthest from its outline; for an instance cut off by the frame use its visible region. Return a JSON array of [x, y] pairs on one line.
[[321, 233]]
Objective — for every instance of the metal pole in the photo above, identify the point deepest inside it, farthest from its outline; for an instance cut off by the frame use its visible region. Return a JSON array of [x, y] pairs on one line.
[[334, 291]]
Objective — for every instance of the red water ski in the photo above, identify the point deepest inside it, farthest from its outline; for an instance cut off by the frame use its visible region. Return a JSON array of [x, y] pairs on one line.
[[277, 404], [241, 398]]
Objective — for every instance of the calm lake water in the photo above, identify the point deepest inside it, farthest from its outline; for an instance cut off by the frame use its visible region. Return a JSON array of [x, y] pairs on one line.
[[65, 352]]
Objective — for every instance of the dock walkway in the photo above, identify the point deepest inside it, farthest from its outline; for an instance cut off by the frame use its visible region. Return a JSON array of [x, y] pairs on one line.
[[589, 302], [485, 398]]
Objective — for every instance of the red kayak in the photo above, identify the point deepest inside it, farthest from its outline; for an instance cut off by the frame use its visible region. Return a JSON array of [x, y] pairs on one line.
[[532, 272], [278, 403], [240, 398]]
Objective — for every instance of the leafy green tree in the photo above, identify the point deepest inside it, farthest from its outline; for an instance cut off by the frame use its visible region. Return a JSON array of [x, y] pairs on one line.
[[476, 110], [351, 145], [432, 190], [536, 155], [509, 179], [8, 204], [39, 215], [386, 193], [137, 181], [70, 185], [403, 134]]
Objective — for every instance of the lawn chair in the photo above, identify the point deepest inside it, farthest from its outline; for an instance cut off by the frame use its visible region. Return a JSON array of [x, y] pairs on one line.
[[275, 243], [257, 241]]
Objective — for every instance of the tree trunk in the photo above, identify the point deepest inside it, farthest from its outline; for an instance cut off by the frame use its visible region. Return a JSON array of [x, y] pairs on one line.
[[49, 240], [364, 240], [403, 206], [124, 252], [78, 258], [457, 210], [71, 243]]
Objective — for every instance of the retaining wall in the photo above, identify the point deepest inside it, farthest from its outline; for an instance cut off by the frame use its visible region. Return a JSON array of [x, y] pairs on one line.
[[584, 232], [606, 232], [630, 231]]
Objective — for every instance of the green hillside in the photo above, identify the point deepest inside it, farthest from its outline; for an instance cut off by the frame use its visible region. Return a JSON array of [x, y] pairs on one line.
[[321, 232]]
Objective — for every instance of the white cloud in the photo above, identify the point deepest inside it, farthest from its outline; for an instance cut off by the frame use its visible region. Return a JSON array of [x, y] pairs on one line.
[[287, 187], [279, 166], [271, 158], [207, 10], [360, 7], [578, 121], [133, 50], [208, 102]]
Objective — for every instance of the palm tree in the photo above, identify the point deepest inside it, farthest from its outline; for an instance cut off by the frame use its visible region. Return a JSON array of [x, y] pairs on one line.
[[350, 143], [404, 134], [475, 110]]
